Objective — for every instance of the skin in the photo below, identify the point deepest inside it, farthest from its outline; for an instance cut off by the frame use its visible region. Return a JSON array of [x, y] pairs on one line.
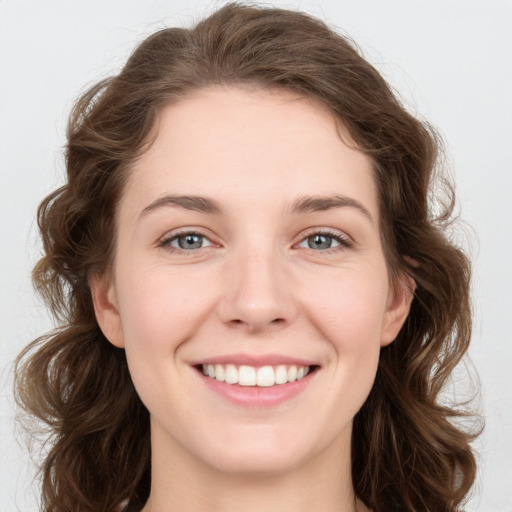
[[256, 286]]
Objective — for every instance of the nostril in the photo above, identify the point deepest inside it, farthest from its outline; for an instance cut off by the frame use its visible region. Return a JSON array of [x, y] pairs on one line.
[[258, 325]]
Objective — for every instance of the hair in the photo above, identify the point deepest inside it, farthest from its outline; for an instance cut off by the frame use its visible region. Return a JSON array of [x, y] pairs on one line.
[[409, 452]]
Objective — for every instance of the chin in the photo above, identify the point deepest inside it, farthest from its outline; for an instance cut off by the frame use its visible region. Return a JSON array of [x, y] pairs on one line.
[[262, 454], [261, 464]]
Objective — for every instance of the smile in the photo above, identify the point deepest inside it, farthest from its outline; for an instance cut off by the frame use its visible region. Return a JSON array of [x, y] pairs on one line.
[[265, 376]]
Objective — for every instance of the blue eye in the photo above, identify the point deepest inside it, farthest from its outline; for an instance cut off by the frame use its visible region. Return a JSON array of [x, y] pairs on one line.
[[187, 241], [323, 241]]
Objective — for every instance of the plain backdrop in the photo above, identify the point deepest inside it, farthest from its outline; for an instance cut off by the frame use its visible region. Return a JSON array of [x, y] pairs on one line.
[[451, 62]]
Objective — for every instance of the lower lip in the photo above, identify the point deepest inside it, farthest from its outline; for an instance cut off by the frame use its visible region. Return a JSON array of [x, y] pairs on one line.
[[256, 396]]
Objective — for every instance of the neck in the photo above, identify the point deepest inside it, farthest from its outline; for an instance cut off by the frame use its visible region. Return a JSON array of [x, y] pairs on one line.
[[187, 485]]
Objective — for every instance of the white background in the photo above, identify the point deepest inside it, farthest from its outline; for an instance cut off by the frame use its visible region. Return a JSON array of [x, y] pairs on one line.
[[451, 60]]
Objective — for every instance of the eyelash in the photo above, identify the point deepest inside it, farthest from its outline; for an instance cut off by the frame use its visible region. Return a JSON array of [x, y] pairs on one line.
[[344, 241]]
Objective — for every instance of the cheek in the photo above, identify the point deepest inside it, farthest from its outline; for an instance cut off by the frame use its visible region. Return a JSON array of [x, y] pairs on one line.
[[160, 309], [348, 311], [348, 308]]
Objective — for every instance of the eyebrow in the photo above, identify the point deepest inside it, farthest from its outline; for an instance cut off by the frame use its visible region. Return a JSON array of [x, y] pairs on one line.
[[196, 203], [305, 204], [309, 204]]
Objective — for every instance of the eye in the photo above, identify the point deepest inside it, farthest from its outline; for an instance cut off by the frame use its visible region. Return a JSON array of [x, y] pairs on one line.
[[322, 241], [186, 242]]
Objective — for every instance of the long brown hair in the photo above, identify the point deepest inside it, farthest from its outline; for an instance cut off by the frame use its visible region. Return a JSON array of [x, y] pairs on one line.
[[407, 452]]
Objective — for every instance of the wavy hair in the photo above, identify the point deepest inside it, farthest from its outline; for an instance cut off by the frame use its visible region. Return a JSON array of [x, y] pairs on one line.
[[409, 452]]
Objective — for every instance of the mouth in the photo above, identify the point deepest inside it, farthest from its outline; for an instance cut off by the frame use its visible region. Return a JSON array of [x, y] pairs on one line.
[[252, 376]]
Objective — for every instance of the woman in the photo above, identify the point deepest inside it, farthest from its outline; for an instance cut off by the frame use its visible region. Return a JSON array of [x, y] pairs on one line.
[[259, 308]]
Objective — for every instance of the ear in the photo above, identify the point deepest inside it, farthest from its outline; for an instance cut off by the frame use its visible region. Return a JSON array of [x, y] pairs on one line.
[[106, 310], [397, 309]]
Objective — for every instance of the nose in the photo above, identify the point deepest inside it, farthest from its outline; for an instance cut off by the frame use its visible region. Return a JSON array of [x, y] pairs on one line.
[[257, 293]]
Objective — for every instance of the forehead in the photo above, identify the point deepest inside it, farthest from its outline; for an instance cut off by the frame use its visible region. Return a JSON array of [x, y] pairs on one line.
[[249, 145]]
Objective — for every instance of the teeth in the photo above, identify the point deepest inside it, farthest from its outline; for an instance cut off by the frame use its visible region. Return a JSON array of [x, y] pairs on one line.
[[264, 376], [231, 375], [219, 373], [246, 376], [281, 374]]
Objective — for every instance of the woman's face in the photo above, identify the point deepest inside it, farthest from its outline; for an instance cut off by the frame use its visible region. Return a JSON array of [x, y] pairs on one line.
[[249, 247]]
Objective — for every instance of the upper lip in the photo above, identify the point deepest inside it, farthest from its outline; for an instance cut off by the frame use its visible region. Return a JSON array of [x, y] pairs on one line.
[[255, 360]]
